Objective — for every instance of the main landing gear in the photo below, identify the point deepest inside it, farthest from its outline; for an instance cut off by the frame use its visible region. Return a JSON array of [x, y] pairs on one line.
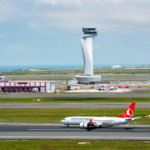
[[68, 125]]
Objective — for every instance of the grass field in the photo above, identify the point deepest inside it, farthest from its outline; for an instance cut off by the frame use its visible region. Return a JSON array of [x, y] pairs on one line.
[[139, 92], [77, 100], [80, 71], [27, 78], [73, 144], [55, 115]]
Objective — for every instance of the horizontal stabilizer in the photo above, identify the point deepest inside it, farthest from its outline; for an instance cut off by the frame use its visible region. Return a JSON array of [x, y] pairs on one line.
[[135, 118]]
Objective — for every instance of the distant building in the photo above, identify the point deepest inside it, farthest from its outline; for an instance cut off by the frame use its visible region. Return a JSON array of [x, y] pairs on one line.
[[116, 67], [72, 82], [31, 69], [2, 78], [146, 66]]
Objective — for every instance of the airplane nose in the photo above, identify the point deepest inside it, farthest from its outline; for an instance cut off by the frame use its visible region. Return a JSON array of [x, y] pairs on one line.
[[61, 121]]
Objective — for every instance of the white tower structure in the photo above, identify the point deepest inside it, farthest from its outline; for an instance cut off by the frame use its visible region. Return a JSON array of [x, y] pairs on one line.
[[87, 47]]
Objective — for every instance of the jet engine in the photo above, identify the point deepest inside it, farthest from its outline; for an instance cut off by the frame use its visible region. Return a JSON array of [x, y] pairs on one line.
[[84, 125]]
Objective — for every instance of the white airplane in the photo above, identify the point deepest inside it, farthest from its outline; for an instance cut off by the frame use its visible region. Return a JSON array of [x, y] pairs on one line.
[[86, 122]]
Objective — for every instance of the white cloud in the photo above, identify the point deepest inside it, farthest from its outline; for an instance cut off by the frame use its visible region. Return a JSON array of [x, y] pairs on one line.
[[6, 11], [47, 1], [1, 36], [54, 2], [118, 1], [34, 26], [106, 15], [18, 49]]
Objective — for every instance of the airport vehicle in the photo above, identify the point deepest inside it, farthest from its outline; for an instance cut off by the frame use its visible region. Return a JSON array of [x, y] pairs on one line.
[[117, 86], [101, 89], [111, 88], [35, 89], [126, 86], [139, 86], [86, 122]]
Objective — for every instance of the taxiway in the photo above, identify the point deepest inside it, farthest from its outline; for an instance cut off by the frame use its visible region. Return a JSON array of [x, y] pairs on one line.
[[72, 95], [74, 105]]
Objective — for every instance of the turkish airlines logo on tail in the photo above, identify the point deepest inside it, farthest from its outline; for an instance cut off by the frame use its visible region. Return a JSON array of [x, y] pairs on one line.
[[129, 113]]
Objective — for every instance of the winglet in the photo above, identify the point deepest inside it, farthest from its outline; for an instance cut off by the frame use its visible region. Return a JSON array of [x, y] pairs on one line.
[[129, 112]]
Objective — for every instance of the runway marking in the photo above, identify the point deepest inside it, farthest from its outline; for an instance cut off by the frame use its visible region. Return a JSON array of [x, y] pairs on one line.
[[51, 129], [47, 124], [22, 123], [1, 123], [141, 130], [84, 143]]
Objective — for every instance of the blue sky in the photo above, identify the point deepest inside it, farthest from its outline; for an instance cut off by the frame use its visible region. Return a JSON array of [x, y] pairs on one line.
[[47, 32]]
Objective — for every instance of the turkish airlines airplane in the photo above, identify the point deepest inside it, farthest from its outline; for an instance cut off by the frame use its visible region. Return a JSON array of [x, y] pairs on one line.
[[86, 122]]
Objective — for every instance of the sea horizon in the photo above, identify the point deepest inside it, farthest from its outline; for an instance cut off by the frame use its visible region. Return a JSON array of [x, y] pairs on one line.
[[59, 67]]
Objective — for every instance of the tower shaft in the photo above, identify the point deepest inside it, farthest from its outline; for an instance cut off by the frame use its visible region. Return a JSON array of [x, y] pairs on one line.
[[87, 49]]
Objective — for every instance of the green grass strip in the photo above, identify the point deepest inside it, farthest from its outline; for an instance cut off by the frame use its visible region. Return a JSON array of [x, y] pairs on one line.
[[77, 100], [55, 115], [79, 72], [73, 144]]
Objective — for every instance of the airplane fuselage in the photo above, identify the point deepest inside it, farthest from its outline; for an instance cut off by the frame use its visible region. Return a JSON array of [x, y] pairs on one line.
[[97, 121]]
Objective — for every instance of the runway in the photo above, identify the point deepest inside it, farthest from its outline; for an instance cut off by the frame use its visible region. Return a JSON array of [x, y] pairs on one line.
[[14, 95], [74, 105], [60, 131]]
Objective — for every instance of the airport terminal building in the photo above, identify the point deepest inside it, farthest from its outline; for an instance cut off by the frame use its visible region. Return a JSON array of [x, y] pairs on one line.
[[26, 86]]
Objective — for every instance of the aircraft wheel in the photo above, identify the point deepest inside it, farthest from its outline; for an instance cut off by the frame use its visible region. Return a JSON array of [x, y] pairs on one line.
[[68, 125]]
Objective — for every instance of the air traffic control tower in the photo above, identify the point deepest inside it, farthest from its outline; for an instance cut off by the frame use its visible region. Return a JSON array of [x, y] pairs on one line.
[[87, 47]]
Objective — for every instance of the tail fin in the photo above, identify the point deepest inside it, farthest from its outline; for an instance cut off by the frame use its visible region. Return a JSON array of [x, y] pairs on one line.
[[129, 112]]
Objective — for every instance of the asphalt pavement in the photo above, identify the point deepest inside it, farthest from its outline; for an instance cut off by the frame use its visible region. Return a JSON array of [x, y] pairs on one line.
[[60, 131], [74, 105], [72, 95]]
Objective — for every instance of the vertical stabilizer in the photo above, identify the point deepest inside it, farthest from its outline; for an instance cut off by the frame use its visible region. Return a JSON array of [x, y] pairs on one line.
[[129, 112]]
